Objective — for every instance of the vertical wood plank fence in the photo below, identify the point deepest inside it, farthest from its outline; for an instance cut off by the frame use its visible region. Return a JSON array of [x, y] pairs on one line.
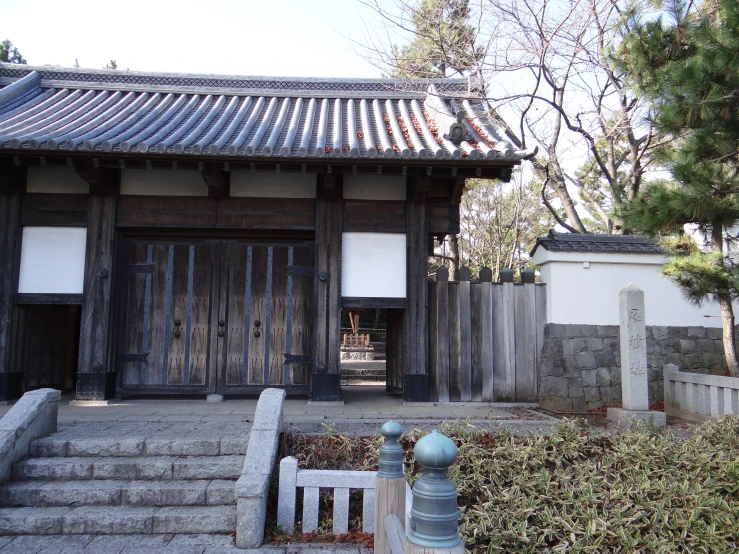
[[485, 338]]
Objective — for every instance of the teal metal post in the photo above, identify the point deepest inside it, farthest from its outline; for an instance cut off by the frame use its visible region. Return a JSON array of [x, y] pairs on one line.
[[434, 515]]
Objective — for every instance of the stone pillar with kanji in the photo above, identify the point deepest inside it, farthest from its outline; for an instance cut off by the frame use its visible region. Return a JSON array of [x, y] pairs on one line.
[[634, 375]]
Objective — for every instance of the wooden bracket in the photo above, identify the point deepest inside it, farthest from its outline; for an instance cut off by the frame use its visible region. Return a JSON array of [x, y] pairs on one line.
[[457, 190], [330, 186], [13, 179], [417, 188], [103, 181], [218, 181]]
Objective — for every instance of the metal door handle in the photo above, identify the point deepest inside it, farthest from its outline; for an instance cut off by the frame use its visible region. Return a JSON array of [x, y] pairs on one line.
[[257, 334]]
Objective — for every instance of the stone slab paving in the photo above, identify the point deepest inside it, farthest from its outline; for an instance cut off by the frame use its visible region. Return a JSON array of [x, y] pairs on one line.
[[148, 544], [360, 402]]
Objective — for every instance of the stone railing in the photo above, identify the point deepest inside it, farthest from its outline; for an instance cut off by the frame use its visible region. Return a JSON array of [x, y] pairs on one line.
[[389, 506], [698, 397], [252, 488], [32, 417]]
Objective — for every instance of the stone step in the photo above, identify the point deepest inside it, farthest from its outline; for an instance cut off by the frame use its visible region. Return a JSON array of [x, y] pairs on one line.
[[124, 520], [116, 468], [135, 447], [191, 492]]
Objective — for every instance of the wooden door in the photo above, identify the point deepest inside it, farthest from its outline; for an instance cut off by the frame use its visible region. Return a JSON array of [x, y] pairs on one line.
[[266, 316], [169, 301]]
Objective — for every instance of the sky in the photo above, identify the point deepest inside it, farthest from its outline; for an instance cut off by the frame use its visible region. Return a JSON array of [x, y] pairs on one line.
[[302, 38]]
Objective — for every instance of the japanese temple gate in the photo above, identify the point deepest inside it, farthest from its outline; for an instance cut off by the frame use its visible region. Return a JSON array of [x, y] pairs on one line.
[[181, 234]]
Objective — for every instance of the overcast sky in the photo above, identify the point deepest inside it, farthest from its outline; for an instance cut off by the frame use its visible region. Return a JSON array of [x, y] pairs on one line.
[[243, 37]]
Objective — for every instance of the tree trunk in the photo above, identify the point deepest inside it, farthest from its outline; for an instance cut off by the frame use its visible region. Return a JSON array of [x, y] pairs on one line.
[[727, 310], [453, 264], [727, 321]]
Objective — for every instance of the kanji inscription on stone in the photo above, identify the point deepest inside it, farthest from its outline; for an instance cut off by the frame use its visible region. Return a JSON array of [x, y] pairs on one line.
[[634, 382]]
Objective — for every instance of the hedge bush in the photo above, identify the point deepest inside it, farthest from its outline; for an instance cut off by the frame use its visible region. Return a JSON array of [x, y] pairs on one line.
[[637, 491]]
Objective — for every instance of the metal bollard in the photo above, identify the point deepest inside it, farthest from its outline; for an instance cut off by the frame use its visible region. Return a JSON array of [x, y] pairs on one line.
[[434, 515]]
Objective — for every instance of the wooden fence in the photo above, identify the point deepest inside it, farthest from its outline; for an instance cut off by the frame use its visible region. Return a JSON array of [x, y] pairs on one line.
[[485, 338]]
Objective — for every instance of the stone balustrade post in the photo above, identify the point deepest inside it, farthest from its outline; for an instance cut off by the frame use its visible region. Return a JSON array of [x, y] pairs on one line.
[[434, 515]]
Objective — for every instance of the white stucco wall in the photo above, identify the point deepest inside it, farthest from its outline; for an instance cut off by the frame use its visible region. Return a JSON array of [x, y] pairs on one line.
[[374, 187], [577, 294], [58, 180], [273, 185], [373, 265], [162, 182], [52, 260]]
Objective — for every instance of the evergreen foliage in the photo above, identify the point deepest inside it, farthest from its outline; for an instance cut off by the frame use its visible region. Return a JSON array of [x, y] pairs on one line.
[[9, 53], [443, 45], [689, 69]]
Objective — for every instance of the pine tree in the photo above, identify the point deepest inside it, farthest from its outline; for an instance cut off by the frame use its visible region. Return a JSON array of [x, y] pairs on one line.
[[9, 53], [689, 68], [443, 44]]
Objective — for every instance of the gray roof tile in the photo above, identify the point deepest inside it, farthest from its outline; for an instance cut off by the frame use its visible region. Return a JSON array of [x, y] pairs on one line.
[[577, 242], [52, 108]]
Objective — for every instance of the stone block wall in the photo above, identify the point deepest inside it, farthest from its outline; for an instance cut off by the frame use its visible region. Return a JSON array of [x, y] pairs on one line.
[[580, 365]]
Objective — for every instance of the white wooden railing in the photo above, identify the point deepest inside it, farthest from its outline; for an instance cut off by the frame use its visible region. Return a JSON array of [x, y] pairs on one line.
[[698, 397], [312, 480], [343, 482]]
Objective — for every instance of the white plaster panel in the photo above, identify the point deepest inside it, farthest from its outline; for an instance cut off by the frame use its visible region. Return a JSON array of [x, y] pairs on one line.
[[374, 187], [373, 265], [52, 260], [273, 185], [589, 295], [162, 182], [55, 180]]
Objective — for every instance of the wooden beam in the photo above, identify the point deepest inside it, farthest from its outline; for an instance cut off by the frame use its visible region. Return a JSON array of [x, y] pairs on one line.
[[457, 190], [328, 281], [13, 179], [418, 187], [416, 315], [218, 181], [97, 290], [103, 181], [13, 183], [330, 186]]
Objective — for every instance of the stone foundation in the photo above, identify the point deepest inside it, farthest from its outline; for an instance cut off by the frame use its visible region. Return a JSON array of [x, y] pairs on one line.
[[580, 365], [357, 353]]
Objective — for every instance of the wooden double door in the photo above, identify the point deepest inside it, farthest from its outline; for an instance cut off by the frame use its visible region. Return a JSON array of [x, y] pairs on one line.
[[215, 315]]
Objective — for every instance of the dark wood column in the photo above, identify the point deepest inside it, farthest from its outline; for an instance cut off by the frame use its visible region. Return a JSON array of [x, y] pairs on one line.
[[95, 370], [326, 372], [416, 382], [12, 186]]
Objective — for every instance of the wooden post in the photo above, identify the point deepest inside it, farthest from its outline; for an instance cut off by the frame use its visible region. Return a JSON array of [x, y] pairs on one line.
[[95, 371], [389, 485], [440, 347], [325, 385], [12, 186], [416, 382]]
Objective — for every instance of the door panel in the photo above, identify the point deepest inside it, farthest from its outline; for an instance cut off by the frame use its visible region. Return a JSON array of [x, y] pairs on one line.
[[210, 315], [268, 313], [169, 299]]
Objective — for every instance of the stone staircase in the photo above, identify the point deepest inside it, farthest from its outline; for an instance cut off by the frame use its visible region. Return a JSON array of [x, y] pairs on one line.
[[165, 479], [362, 372]]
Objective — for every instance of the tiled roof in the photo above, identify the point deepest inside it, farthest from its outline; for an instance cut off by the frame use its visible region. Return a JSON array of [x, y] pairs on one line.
[[53, 108], [576, 242]]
